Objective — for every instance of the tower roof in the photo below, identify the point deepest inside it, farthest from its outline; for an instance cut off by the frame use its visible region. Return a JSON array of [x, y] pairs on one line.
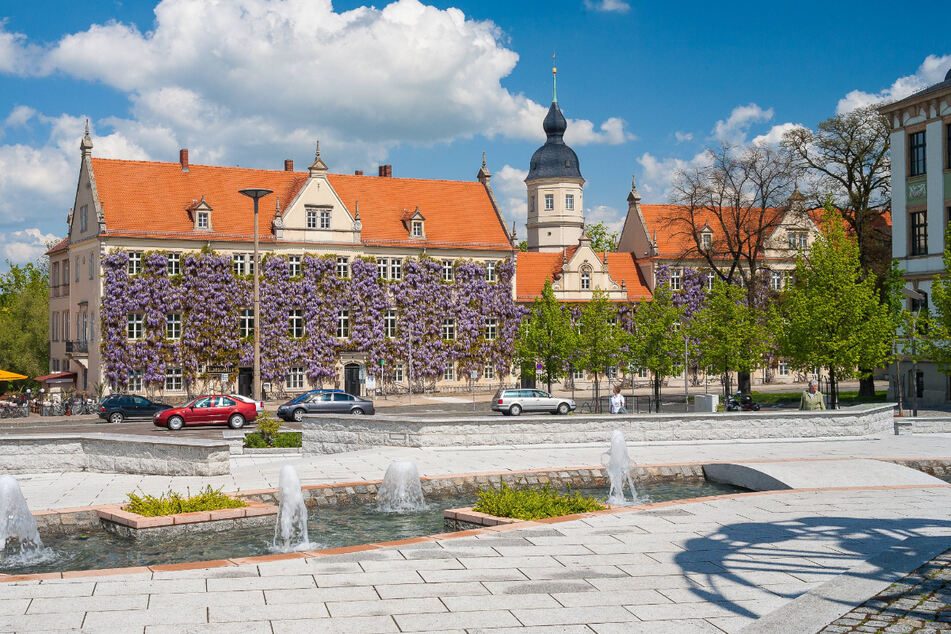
[[554, 159]]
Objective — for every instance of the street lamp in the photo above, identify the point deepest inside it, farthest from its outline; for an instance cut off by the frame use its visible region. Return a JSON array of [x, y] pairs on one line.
[[917, 297], [255, 194]]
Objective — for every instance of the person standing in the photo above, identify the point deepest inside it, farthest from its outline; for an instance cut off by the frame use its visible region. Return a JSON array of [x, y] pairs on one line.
[[617, 401], [812, 398]]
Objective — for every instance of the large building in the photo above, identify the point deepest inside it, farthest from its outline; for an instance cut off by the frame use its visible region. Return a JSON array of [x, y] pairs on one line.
[[920, 147]]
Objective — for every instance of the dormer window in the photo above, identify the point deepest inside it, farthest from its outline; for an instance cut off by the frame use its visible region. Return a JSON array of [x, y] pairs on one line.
[[201, 215], [413, 223], [203, 222], [586, 278], [706, 240], [417, 228]]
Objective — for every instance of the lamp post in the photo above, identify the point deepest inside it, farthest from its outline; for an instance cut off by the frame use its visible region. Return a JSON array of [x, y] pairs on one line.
[[916, 297], [255, 194]]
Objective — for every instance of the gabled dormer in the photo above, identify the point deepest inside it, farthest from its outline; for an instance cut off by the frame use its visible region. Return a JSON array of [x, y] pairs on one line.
[[706, 237], [200, 213], [584, 271], [85, 219], [415, 224]]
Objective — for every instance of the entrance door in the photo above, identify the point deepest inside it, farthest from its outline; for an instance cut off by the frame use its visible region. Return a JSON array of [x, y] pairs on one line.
[[245, 380], [351, 379]]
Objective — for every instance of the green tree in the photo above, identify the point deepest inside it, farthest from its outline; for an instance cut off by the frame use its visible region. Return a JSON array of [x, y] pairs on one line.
[[834, 317], [656, 342], [936, 333], [523, 245], [545, 336], [24, 319], [734, 335], [599, 339], [602, 238]]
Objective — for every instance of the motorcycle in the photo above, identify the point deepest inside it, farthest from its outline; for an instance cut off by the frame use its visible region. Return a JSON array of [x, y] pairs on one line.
[[741, 402]]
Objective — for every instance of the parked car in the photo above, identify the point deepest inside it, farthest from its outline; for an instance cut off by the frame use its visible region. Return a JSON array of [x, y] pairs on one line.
[[207, 410], [324, 402], [258, 405], [514, 402], [115, 408]]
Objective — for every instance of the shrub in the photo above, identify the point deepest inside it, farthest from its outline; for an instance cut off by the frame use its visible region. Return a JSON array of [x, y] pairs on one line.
[[285, 439], [533, 504], [268, 426], [171, 502]]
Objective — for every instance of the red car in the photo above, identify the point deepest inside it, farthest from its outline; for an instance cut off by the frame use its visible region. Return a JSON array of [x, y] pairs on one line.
[[207, 410]]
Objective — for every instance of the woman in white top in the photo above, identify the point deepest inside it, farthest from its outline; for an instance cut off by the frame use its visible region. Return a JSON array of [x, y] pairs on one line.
[[617, 401]]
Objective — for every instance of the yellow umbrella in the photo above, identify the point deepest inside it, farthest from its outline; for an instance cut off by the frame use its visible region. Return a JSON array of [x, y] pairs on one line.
[[10, 376]]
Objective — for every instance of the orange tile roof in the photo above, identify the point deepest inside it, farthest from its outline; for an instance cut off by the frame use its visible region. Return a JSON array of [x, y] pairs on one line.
[[60, 246], [532, 269], [151, 199]]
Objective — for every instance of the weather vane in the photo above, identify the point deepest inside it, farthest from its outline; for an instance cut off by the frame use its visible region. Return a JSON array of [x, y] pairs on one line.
[[554, 80]]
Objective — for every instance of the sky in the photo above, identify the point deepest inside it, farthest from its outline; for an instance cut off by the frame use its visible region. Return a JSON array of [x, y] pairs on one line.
[[428, 86]]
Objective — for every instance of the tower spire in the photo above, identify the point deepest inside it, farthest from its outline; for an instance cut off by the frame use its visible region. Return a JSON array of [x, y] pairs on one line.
[[554, 80]]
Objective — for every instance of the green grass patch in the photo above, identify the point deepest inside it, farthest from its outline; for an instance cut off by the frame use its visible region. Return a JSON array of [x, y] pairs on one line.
[[284, 439], [792, 398], [172, 502], [533, 504]]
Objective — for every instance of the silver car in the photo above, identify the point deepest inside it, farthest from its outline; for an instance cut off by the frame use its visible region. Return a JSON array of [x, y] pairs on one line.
[[514, 402], [324, 402]]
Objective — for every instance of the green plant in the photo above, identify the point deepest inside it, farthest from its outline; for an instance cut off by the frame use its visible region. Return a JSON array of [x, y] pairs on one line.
[[531, 504], [268, 426], [285, 439], [172, 502]]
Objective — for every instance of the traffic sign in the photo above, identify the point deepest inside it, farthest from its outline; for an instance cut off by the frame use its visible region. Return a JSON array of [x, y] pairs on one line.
[[539, 366]]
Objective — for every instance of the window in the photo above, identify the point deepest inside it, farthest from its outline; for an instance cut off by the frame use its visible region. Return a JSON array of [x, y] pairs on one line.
[[916, 153], [490, 271], [66, 272], [611, 372], [134, 266], [325, 219], [295, 378], [447, 270], [389, 323], [382, 268], [135, 381], [237, 263], [578, 375], [783, 368], [789, 279], [295, 323], [449, 329], [92, 265], [585, 280], [489, 372], [449, 374], [54, 277], [706, 240], [343, 267], [246, 323], [173, 326], [83, 218], [134, 326], [798, 240], [343, 323], [919, 304], [65, 325], [294, 265], [918, 224], [711, 278], [417, 231], [531, 203], [174, 264], [549, 202], [642, 373], [203, 220], [776, 280], [398, 373], [675, 279], [491, 328], [250, 260], [396, 269], [311, 218], [173, 379], [570, 202], [54, 327]]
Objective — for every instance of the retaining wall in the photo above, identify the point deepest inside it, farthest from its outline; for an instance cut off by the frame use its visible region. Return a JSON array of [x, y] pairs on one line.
[[113, 453], [332, 434]]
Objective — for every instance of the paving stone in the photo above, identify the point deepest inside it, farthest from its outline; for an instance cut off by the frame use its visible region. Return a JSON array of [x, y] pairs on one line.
[[152, 586], [537, 587], [87, 604], [319, 595], [629, 597], [568, 616], [275, 582], [261, 627], [125, 619], [403, 591], [41, 622], [484, 574], [499, 602], [12, 591], [247, 598], [458, 620], [352, 625], [383, 607], [240, 613]]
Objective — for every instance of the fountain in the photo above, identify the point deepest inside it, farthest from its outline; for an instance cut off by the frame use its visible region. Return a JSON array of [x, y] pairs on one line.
[[19, 538], [618, 464], [400, 491], [290, 527]]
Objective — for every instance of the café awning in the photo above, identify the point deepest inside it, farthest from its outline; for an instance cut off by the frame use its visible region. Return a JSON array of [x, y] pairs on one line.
[[59, 377], [10, 376]]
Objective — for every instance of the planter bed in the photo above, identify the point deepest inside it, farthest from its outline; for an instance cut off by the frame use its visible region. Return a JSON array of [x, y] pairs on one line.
[[116, 520]]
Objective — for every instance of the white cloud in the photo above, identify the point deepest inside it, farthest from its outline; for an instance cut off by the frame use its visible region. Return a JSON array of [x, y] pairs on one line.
[[611, 217], [610, 6], [508, 185], [775, 134], [26, 245], [931, 71], [16, 56], [734, 129], [683, 137], [19, 116], [659, 173]]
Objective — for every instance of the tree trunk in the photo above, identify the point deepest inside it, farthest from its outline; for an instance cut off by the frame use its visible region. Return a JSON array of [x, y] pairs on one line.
[[743, 382], [656, 392], [597, 394], [866, 383], [833, 390], [726, 386]]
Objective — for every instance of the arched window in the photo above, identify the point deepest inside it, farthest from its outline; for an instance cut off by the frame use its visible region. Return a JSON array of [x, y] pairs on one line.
[[586, 278]]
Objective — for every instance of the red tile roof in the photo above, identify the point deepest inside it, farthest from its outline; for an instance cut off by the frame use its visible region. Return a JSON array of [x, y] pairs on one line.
[[59, 247], [532, 269]]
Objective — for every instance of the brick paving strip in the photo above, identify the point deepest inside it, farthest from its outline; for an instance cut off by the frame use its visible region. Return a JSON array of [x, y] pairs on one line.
[[921, 603]]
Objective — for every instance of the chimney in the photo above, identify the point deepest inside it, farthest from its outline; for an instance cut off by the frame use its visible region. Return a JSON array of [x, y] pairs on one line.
[[389, 171], [382, 171], [288, 165], [358, 172], [183, 159], [386, 171]]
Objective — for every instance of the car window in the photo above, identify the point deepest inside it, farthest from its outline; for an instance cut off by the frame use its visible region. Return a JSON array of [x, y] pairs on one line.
[[526, 393], [140, 402], [540, 394], [203, 402], [324, 397], [342, 397], [123, 401], [509, 394], [224, 401]]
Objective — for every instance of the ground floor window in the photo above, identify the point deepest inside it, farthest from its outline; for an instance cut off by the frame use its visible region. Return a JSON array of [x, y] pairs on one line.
[[783, 368], [397, 374], [489, 371], [135, 381], [449, 374], [295, 379], [173, 379], [642, 373], [578, 375]]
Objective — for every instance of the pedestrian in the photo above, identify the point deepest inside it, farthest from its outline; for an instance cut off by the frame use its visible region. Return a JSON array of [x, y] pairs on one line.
[[617, 401], [812, 397]]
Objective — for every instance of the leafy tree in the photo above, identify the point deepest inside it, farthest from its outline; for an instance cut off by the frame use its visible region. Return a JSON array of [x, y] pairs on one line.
[[602, 238], [936, 339], [735, 333], [656, 342], [834, 316], [545, 336], [599, 340], [523, 245], [24, 319]]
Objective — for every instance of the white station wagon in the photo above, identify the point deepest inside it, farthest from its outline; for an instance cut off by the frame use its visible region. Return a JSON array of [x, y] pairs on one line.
[[514, 402]]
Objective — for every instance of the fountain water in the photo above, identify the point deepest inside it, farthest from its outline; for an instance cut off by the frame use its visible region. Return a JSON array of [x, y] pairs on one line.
[[290, 527], [400, 491], [618, 464], [19, 539]]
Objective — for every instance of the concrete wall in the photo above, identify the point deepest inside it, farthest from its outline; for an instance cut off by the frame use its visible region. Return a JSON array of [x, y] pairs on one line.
[[112, 453], [332, 434]]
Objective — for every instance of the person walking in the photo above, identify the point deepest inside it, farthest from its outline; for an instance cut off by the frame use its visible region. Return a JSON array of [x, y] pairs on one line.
[[617, 401], [812, 397]]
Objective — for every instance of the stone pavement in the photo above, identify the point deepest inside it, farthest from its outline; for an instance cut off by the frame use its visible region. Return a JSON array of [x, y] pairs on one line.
[[921, 602], [707, 566]]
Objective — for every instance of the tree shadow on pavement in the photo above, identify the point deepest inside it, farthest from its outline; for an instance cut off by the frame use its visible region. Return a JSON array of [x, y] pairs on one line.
[[811, 549]]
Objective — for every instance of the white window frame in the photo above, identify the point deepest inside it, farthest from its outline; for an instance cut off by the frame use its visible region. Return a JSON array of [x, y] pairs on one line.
[[675, 279], [134, 327], [134, 266], [389, 323], [343, 323], [398, 374], [706, 240], [174, 264], [569, 202], [238, 264], [174, 380], [491, 328], [490, 271], [295, 323], [578, 375], [311, 220], [549, 202], [135, 381], [173, 326], [488, 372], [295, 378], [449, 329], [776, 280], [246, 323], [325, 219], [782, 368], [396, 269], [416, 229], [449, 374], [585, 280], [294, 264], [382, 268], [343, 267], [711, 278], [203, 220], [447, 271]]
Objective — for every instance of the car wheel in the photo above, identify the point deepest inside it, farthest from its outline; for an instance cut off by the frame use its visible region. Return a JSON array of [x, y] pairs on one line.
[[515, 410], [298, 415], [176, 422], [356, 411], [756, 407], [563, 408], [116, 417], [236, 421]]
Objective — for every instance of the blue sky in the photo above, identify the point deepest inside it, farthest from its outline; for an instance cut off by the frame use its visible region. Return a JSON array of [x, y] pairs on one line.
[[428, 87]]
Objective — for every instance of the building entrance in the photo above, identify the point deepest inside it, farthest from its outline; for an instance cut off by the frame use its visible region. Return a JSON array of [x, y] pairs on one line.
[[351, 379], [245, 380]]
